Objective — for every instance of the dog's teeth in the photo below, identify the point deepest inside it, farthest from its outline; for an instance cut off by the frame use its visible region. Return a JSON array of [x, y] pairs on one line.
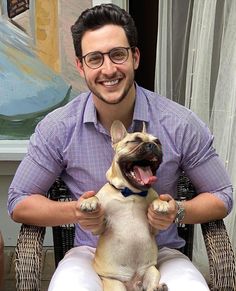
[[138, 180], [133, 174], [134, 177]]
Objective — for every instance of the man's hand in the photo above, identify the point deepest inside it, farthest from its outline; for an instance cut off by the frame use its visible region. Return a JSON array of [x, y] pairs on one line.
[[94, 220], [162, 221]]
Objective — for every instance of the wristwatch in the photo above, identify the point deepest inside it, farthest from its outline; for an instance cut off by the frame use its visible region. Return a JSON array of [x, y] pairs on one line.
[[180, 211]]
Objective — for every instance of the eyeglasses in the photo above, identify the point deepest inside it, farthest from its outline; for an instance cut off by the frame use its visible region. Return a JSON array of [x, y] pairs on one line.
[[117, 55]]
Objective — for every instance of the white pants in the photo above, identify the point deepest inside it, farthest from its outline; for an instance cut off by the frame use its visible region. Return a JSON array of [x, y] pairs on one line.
[[75, 272]]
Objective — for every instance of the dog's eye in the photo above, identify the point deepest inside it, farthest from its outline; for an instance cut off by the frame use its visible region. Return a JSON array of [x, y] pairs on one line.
[[138, 139], [131, 141]]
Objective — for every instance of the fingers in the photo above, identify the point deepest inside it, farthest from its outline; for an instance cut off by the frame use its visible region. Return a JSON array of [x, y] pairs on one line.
[[92, 222], [89, 220], [166, 197], [87, 194], [172, 205], [160, 220]]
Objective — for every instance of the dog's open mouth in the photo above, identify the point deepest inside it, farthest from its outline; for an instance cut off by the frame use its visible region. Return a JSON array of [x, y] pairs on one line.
[[140, 173]]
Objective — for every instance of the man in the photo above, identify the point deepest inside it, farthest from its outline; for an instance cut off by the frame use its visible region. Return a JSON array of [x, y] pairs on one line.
[[74, 142]]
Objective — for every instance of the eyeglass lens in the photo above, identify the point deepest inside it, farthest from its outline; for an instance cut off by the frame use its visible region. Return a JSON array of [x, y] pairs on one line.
[[117, 55]]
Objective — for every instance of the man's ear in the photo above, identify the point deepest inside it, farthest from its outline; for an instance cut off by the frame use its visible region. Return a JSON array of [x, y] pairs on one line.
[[136, 58], [80, 67]]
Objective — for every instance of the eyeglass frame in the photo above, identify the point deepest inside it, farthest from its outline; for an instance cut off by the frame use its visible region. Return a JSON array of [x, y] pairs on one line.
[[107, 53]]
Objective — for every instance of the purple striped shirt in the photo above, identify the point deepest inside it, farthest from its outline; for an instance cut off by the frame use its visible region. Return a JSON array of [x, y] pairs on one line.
[[72, 143]]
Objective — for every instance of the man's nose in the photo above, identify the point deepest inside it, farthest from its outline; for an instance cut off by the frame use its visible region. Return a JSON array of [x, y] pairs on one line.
[[108, 66]]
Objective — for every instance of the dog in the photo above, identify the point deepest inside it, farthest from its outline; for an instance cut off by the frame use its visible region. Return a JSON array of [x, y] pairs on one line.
[[126, 254]]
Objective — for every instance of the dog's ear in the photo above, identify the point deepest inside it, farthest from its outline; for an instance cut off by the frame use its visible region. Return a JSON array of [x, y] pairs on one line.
[[144, 128], [118, 131]]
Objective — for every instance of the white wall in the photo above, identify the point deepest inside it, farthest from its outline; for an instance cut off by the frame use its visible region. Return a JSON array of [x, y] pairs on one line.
[[8, 228]]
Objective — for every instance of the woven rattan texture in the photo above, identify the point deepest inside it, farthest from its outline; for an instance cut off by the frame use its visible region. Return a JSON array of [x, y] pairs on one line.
[[28, 262], [220, 255]]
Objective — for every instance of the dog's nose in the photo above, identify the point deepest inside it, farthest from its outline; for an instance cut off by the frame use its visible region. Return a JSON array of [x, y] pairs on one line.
[[149, 146]]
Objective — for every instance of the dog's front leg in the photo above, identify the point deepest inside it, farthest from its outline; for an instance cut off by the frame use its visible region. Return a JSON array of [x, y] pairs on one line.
[[151, 280], [160, 205], [91, 204]]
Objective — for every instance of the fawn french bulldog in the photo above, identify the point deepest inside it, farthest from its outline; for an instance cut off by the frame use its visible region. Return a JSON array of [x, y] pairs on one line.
[[126, 254]]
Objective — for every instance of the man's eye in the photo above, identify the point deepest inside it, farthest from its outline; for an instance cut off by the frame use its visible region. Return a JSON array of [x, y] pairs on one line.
[[94, 58], [118, 55]]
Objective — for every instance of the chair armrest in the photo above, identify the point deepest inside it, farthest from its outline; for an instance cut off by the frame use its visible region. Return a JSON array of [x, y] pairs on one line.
[[220, 255], [29, 248], [28, 261], [219, 249]]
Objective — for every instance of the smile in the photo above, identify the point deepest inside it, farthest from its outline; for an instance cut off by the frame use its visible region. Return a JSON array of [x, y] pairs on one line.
[[111, 83]]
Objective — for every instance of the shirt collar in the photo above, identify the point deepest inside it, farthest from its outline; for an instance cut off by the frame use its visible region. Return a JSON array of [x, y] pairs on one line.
[[141, 106], [141, 112], [90, 114]]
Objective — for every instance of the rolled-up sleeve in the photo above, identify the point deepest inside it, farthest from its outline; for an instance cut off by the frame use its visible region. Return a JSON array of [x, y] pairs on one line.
[[202, 164], [40, 167]]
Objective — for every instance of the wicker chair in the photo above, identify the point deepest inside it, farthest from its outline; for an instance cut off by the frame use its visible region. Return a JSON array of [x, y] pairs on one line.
[[30, 245]]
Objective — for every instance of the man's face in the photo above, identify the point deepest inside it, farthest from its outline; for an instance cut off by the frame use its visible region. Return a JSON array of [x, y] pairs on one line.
[[111, 82]]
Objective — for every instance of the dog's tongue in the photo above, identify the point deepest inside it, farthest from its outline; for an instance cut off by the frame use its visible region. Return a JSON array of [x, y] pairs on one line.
[[145, 174]]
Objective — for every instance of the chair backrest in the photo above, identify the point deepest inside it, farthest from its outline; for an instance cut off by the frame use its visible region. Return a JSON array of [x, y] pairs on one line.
[[63, 236], [186, 191]]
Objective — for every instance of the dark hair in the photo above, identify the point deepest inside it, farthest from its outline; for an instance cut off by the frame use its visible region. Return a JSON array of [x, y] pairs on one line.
[[98, 16]]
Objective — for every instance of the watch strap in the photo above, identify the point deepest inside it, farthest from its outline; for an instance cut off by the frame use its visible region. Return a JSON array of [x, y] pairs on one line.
[[180, 212]]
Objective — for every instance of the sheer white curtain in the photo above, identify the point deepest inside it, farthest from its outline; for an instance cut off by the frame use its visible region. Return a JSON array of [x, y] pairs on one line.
[[223, 117], [196, 66]]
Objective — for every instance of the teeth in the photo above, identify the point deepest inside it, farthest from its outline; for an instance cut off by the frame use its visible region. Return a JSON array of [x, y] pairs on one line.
[[132, 174], [111, 83], [137, 179]]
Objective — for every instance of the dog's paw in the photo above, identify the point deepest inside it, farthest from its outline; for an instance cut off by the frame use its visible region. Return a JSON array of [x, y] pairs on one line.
[[160, 206], [89, 204]]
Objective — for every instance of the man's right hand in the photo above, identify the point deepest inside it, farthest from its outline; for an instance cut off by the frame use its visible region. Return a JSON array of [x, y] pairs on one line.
[[93, 221]]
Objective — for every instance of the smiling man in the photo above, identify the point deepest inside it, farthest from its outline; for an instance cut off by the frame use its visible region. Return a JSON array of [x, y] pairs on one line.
[[108, 68], [75, 143]]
